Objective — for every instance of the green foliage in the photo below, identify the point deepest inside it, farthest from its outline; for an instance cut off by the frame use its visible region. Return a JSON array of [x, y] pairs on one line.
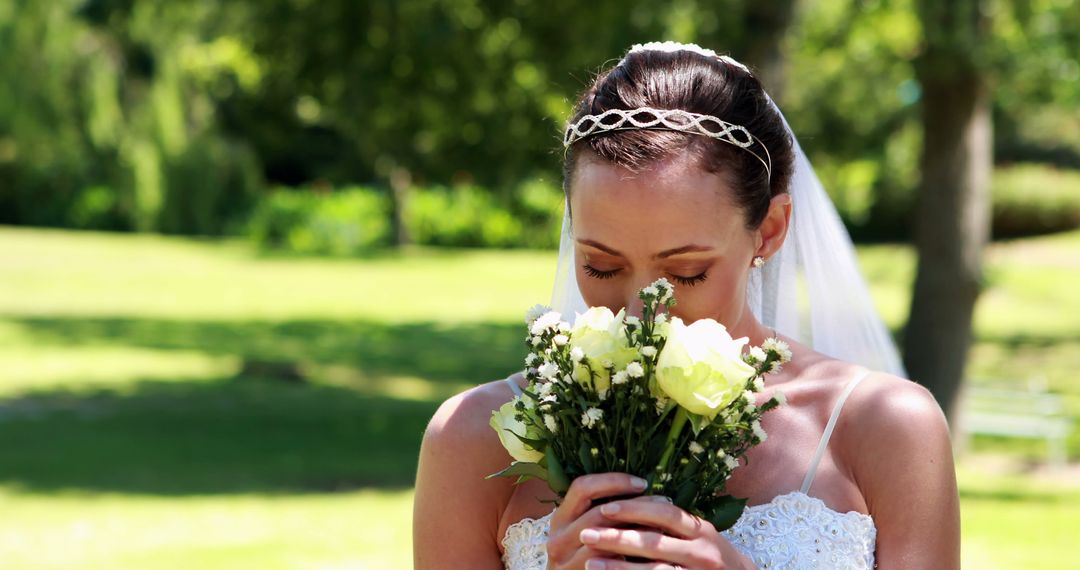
[[345, 222], [1033, 199], [461, 216]]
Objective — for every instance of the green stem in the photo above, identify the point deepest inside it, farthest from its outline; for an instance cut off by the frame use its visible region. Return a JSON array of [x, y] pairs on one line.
[[673, 436]]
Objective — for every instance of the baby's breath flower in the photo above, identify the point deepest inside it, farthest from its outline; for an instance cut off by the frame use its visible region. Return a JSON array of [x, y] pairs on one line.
[[650, 291], [634, 370], [536, 340], [780, 347], [660, 318], [561, 339], [619, 377], [576, 354], [548, 370], [759, 384], [731, 462], [661, 403], [633, 321], [564, 326], [534, 313], [758, 354], [590, 416], [721, 453], [780, 397], [696, 448], [545, 321], [649, 351], [549, 421], [543, 389], [531, 359], [775, 368], [760, 433]]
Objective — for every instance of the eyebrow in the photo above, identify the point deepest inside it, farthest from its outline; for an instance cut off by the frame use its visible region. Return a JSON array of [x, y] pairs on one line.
[[661, 255]]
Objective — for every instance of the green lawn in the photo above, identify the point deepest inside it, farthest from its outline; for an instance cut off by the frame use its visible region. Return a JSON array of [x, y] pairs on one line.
[[178, 403]]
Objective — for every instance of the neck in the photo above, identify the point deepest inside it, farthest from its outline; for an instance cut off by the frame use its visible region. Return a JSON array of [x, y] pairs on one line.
[[747, 325]]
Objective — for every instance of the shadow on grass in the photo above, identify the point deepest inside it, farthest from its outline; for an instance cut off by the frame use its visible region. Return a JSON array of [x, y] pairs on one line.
[[247, 434], [242, 435], [467, 352]]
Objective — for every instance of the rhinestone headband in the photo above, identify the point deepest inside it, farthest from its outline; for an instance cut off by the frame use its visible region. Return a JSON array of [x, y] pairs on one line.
[[667, 120]]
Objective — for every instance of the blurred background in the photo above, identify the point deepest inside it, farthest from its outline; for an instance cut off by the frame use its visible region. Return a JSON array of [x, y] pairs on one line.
[[248, 247]]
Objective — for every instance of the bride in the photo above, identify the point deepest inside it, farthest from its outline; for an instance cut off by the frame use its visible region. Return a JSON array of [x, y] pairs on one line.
[[679, 165]]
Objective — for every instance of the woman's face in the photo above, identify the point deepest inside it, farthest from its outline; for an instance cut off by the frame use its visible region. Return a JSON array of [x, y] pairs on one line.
[[673, 220]]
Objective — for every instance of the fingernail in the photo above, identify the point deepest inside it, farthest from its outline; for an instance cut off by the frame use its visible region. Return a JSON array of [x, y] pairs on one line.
[[595, 565], [610, 508], [638, 483], [661, 499], [589, 536]]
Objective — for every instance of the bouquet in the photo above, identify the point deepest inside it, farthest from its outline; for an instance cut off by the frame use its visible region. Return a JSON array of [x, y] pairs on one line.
[[651, 396]]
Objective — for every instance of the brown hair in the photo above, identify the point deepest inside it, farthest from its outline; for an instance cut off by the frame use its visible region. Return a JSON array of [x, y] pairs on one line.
[[697, 83]]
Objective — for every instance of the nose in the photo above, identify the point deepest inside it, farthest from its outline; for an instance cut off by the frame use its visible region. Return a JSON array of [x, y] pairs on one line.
[[634, 306]]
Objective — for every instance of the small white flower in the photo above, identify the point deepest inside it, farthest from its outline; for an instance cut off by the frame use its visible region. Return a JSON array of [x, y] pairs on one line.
[[548, 370], [545, 321], [531, 359], [619, 377], [758, 354], [633, 321], [662, 283], [696, 448], [720, 453], [607, 363], [549, 421], [603, 394], [661, 403], [549, 398], [648, 351], [634, 370], [759, 384], [775, 368], [534, 313], [780, 397], [760, 433], [576, 354], [780, 347], [590, 416], [749, 396], [561, 339], [651, 291], [536, 340], [543, 389], [731, 462], [564, 326], [660, 318]]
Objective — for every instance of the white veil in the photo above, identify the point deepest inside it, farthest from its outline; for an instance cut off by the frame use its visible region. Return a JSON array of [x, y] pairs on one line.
[[811, 290]]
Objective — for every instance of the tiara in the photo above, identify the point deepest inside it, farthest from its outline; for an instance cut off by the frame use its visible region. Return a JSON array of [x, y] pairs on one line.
[[668, 120], [678, 46]]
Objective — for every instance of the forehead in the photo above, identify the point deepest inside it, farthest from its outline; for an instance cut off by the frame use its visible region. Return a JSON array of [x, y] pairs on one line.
[[673, 200]]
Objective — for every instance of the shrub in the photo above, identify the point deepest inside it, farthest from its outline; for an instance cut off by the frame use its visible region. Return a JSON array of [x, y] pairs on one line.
[[349, 221], [1032, 199], [463, 216]]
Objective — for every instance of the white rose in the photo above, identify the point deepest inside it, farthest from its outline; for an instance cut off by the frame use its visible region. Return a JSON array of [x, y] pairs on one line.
[[504, 422], [701, 366]]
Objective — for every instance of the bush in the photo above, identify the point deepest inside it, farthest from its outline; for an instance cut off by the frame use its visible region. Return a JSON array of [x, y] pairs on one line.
[[1032, 199], [349, 221], [463, 216]]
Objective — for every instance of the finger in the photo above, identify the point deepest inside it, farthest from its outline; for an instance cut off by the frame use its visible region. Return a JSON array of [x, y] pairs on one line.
[[657, 512], [640, 543], [584, 489], [616, 564]]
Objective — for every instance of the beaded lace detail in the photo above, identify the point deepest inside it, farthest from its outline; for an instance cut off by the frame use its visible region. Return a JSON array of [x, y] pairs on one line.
[[793, 531]]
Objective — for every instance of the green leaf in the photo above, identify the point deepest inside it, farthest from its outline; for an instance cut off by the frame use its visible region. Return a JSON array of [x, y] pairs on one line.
[[726, 512], [522, 469]]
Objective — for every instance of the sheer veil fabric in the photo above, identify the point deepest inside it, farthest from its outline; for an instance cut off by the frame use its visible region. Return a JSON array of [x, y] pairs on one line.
[[811, 290]]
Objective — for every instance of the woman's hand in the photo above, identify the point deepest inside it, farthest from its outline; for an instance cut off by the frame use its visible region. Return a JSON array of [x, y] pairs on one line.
[[592, 537]]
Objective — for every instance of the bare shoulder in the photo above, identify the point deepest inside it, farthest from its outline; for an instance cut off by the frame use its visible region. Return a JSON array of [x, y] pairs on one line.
[[897, 446], [456, 510]]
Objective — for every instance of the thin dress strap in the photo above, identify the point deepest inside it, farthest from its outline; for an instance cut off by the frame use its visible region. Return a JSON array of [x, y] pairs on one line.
[[809, 479], [513, 385]]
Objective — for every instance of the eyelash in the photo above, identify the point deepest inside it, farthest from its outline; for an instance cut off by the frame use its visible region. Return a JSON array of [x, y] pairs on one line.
[[688, 281]]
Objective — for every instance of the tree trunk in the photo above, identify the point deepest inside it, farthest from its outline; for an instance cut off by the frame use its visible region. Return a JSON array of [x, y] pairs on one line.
[[769, 21], [952, 223]]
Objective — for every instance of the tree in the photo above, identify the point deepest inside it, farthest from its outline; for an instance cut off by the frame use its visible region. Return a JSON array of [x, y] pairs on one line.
[[952, 222]]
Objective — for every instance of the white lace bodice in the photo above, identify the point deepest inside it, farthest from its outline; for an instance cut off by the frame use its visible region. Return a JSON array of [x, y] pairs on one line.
[[793, 531]]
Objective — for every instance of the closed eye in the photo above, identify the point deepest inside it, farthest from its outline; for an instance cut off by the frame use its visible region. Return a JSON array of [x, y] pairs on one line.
[[594, 272], [690, 281]]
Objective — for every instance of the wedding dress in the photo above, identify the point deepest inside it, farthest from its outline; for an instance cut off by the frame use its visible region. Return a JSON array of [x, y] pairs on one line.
[[792, 531]]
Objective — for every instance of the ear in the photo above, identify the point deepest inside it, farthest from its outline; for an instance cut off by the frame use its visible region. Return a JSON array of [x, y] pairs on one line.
[[773, 229]]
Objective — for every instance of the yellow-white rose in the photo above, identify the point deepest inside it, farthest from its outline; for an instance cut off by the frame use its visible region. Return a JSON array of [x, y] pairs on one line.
[[599, 334], [503, 419], [701, 366]]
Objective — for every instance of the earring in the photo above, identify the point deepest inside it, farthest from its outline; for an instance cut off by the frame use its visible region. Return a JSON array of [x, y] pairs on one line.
[[759, 261]]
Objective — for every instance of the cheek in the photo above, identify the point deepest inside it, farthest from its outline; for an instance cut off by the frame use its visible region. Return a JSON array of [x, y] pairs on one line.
[[721, 296]]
